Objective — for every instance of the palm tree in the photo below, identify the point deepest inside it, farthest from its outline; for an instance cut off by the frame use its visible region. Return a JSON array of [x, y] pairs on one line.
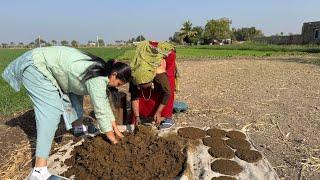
[[186, 32]]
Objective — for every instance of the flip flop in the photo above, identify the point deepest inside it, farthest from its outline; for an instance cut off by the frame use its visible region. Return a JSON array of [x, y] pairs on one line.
[[166, 124]]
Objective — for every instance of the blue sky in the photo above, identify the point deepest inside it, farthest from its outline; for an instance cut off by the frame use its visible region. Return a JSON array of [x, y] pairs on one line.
[[83, 20]]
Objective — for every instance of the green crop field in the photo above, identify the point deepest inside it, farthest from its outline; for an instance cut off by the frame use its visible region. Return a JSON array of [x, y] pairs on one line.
[[11, 102]]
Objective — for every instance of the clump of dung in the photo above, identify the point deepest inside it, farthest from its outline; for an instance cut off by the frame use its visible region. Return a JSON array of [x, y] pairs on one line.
[[212, 142], [250, 156], [226, 167], [224, 178], [192, 133], [236, 135], [238, 144], [215, 132], [221, 152]]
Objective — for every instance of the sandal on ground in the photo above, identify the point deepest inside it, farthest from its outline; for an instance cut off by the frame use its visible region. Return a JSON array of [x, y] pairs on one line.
[[166, 124], [84, 130]]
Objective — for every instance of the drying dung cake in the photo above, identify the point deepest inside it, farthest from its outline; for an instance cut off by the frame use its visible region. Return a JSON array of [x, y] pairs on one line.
[[250, 156], [221, 152], [226, 167], [238, 143], [192, 133], [224, 178], [235, 135], [212, 142], [215, 132]]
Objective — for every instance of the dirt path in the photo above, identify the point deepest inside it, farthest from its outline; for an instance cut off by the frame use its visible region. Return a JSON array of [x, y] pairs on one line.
[[277, 102]]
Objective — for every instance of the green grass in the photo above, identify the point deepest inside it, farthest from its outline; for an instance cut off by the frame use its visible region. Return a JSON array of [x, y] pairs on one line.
[[107, 53], [11, 102], [262, 47], [235, 50]]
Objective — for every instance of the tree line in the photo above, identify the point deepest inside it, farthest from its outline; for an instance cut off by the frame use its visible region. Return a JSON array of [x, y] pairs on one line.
[[215, 31], [40, 42]]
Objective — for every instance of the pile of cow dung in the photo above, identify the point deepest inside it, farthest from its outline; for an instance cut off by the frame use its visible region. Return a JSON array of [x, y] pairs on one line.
[[141, 155]]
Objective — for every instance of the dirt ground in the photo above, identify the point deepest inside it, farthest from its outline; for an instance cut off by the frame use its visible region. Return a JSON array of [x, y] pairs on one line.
[[275, 101]]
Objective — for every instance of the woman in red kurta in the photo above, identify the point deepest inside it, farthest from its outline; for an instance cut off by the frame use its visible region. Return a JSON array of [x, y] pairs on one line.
[[153, 101]]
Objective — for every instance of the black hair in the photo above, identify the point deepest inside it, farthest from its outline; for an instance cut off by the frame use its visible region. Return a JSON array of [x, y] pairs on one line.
[[103, 68]]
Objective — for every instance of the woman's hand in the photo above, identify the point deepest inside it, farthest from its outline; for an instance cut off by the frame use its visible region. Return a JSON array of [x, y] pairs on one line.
[[138, 120], [157, 118], [116, 130], [110, 135]]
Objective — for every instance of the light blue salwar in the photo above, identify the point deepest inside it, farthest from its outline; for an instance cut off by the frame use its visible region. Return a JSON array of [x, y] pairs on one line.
[[47, 106]]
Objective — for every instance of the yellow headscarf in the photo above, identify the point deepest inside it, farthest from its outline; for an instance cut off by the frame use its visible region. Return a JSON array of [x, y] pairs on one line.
[[147, 59]]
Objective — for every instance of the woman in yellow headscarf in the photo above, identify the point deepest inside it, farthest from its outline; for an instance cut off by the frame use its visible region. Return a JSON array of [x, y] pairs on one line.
[[152, 89]]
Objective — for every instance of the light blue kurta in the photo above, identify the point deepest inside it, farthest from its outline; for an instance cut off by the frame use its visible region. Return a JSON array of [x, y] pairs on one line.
[[52, 77]]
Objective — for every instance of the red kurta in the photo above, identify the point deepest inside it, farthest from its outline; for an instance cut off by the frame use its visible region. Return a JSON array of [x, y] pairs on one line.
[[148, 107]]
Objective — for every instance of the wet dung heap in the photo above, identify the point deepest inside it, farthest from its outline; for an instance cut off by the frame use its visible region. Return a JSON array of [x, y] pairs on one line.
[[238, 144], [250, 156], [138, 156], [221, 152], [226, 167], [215, 132], [224, 178], [213, 142], [235, 135], [191, 133]]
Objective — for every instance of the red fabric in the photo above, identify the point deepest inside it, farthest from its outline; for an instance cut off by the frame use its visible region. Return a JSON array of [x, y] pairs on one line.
[[148, 107], [154, 43], [170, 68]]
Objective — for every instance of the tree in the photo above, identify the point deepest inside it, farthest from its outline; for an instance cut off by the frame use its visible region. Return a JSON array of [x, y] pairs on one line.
[[198, 37], [4, 45], [176, 38], [74, 43], [217, 29], [246, 34], [101, 43], [32, 44], [39, 41], [54, 42], [140, 38], [64, 43], [21, 44], [131, 40], [12, 44], [186, 32]]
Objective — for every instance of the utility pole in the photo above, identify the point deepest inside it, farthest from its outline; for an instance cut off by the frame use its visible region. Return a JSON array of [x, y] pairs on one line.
[[98, 41], [39, 41]]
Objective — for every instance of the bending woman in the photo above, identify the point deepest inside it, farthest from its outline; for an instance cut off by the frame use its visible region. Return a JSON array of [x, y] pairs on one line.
[[152, 89], [56, 79]]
